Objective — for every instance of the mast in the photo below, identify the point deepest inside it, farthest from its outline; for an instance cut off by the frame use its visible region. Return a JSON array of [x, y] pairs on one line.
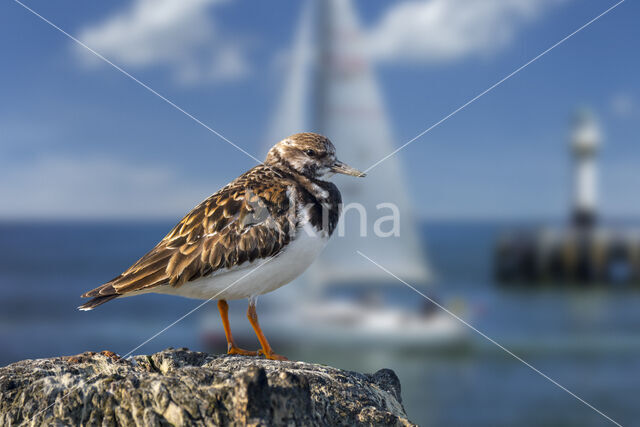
[[292, 112]]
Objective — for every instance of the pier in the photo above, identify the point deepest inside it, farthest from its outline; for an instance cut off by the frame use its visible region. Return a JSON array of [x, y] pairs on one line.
[[582, 252]]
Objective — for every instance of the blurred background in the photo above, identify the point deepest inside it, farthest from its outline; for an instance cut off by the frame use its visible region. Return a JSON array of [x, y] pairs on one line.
[[517, 214]]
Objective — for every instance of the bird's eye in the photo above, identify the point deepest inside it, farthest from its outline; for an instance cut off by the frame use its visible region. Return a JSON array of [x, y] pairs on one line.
[[310, 153]]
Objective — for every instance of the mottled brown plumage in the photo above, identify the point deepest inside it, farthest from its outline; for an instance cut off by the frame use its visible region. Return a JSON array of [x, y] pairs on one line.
[[253, 217]]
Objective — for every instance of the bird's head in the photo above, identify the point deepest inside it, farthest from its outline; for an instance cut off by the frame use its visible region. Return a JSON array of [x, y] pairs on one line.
[[309, 154]]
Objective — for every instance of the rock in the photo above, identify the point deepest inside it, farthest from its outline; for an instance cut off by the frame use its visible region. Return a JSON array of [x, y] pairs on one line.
[[182, 387]]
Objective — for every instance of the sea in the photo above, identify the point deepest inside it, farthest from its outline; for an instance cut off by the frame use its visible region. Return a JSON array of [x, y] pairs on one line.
[[544, 356]]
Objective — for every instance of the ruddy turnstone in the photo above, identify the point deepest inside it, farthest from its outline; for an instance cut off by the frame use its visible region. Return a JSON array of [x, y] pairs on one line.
[[274, 219]]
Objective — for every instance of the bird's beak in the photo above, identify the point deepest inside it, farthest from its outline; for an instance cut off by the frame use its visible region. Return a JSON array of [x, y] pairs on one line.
[[339, 167]]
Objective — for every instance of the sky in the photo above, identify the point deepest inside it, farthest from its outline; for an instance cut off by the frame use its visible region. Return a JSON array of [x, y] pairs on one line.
[[79, 140]]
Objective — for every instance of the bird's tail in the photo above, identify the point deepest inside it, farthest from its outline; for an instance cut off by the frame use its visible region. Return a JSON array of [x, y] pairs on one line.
[[94, 302], [100, 295]]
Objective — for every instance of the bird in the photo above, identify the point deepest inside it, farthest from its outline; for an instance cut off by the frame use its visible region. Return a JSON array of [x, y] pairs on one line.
[[254, 235]]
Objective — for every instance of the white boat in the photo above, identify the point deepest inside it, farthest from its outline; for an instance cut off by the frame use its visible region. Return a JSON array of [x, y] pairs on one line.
[[331, 89], [339, 322], [344, 323]]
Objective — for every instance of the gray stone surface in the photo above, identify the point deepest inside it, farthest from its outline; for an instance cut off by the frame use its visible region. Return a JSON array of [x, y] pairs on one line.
[[182, 387]]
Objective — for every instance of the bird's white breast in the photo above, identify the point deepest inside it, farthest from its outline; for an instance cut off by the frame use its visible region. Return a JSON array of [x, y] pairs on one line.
[[260, 276]]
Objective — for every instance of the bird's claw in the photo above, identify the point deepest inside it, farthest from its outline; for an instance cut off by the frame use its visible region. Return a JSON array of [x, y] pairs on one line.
[[271, 355], [241, 351]]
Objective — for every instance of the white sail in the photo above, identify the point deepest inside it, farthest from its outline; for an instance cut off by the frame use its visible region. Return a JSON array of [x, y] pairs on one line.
[[345, 105], [349, 111]]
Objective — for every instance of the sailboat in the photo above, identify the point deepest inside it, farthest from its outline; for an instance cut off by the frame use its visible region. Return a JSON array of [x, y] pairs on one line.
[[343, 298]]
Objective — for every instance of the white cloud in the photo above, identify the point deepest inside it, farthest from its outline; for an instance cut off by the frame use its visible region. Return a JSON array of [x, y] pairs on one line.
[[228, 64], [95, 187], [179, 35], [439, 31], [623, 106]]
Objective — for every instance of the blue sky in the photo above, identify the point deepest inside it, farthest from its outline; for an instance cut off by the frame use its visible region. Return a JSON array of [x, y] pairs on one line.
[[80, 140]]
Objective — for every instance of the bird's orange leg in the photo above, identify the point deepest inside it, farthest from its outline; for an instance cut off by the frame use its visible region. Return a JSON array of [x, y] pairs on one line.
[[223, 307], [266, 348]]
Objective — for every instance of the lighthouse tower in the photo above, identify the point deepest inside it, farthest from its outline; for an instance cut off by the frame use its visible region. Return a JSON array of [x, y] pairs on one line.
[[585, 142]]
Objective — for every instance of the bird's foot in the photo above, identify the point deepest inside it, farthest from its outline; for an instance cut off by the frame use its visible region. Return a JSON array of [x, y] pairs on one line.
[[242, 352], [271, 355]]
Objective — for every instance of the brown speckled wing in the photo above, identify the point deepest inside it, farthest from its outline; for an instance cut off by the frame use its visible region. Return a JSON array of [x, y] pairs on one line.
[[246, 220]]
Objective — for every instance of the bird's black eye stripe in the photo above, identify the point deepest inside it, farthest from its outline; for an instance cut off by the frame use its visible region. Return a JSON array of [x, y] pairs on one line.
[[310, 153]]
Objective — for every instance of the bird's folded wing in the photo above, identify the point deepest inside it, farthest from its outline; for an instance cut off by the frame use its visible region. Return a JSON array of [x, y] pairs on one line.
[[244, 221]]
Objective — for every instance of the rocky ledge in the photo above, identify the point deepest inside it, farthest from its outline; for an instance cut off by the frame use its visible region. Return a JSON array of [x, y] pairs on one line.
[[182, 387]]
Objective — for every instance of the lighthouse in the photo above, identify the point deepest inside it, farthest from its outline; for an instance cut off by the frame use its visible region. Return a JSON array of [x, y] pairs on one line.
[[585, 141], [584, 252]]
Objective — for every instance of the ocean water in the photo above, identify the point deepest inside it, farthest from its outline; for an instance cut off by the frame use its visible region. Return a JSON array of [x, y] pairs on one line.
[[587, 339]]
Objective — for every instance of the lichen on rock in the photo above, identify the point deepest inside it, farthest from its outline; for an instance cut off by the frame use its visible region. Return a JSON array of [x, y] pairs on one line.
[[182, 387]]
